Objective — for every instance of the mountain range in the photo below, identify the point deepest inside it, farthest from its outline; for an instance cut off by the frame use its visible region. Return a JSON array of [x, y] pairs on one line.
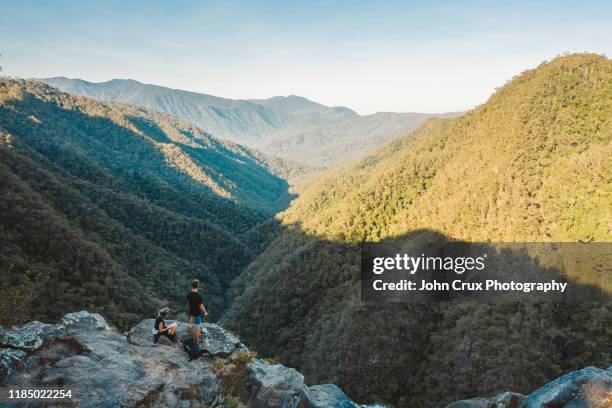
[[290, 127], [117, 207], [534, 163], [114, 207]]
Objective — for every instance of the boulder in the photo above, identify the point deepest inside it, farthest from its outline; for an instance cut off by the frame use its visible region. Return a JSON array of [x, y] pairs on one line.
[[590, 387], [27, 337], [32, 335], [84, 321], [219, 342], [88, 358], [180, 378], [10, 359], [274, 385], [326, 396]]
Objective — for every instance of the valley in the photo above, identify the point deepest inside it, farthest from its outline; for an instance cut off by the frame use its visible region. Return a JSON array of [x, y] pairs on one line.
[[290, 127], [110, 203], [117, 208], [531, 164]]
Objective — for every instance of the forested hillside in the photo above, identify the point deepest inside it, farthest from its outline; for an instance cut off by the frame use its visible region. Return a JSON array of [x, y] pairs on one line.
[[116, 208], [531, 164], [292, 127]]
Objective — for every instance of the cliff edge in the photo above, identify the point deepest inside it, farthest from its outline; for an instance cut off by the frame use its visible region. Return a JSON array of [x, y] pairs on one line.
[[104, 368]]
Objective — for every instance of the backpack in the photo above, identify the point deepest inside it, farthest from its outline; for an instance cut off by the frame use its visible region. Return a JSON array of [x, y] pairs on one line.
[[192, 349]]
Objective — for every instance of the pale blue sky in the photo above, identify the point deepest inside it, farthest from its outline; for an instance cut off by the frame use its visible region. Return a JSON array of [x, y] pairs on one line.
[[421, 56]]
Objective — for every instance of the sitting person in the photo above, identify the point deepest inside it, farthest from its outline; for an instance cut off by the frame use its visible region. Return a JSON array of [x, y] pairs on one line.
[[160, 328]]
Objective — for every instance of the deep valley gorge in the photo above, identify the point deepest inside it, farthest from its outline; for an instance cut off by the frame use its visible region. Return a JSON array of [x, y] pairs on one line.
[[115, 195]]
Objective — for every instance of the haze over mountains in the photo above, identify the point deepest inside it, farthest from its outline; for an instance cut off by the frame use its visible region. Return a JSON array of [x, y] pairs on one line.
[[291, 127]]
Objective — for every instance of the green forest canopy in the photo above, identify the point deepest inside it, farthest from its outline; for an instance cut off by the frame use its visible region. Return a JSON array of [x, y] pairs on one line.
[[115, 208], [531, 164]]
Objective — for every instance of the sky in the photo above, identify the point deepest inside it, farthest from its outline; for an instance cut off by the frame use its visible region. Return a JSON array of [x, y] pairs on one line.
[[398, 56]]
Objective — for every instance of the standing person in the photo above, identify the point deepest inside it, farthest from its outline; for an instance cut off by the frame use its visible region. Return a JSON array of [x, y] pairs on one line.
[[196, 309]]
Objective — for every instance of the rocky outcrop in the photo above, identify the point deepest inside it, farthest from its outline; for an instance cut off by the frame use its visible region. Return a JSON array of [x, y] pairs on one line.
[[219, 342], [102, 368], [274, 385], [590, 387], [106, 369], [28, 337]]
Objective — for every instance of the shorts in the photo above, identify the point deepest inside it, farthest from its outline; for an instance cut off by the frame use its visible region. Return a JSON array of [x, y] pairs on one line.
[[197, 319]]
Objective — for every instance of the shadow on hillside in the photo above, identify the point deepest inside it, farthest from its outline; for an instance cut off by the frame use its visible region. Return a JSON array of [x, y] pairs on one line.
[[300, 301], [258, 186], [581, 267], [129, 226], [130, 153]]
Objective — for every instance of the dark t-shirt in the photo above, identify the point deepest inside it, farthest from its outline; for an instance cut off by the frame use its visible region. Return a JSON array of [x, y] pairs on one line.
[[195, 300], [158, 321]]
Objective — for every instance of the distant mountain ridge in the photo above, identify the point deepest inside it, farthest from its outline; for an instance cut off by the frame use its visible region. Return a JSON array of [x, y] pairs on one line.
[[292, 126]]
